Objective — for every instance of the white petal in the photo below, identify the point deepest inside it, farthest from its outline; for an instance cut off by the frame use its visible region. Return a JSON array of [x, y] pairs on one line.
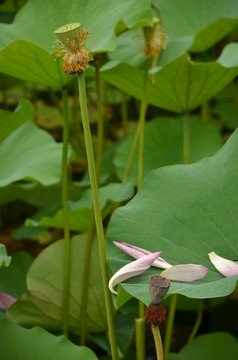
[[134, 268], [186, 272], [137, 252], [224, 266]]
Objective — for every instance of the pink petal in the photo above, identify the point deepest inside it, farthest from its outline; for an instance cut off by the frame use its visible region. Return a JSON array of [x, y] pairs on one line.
[[134, 268], [224, 266], [186, 272], [6, 301], [137, 252]]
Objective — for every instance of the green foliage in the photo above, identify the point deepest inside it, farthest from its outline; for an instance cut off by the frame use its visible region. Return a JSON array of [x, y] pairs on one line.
[[17, 343], [9, 122], [164, 145], [42, 305], [13, 279], [185, 211], [214, 346], [30, 153], [4, 258], [181, 85]]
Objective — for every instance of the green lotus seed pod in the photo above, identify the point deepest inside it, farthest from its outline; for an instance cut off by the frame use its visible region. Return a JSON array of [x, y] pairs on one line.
[[70, 36]]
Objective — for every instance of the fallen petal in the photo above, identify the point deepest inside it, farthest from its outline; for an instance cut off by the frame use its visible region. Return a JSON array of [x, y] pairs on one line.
[[224, 266], [134, 268], [186, 272], [6, 301], [137, 252]]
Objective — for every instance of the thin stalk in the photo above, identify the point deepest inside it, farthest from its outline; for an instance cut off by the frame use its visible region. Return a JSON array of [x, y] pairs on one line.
[[87, 258], [205, 111], [97, 213], [65, 214], [158, 341], [169, 325], [143, 109], [140, 338], [130, 343], [186, 139], [124, 114], [132, 153], [197, 322], [86, 271]]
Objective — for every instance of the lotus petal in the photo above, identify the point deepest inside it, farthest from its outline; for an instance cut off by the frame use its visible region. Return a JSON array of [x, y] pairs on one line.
[[224, 266], [186, 272], [6, 301], [137, 252], [134, 268]]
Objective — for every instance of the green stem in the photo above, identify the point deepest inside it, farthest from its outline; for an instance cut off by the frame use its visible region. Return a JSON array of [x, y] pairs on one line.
[[143, 109], [87, 259], [186, 139], [158, 341], [132, 153], [65, 213], [100, 120], [197, 323], [130, 343], [205, 113], [140, 338], [124, 113], [86, 271], [97, 213], [169, 325]]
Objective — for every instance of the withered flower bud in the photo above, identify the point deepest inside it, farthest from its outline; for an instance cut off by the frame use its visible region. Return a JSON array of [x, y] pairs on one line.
[[155, 37], [158, 286], [76, 56]]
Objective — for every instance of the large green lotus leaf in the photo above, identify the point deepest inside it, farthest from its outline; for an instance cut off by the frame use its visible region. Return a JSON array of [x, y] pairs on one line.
[[80, 211], [29, 57], [18, 343], [164, 145], [205, 22], [27, 61], [30, 153], [4, 258], [45, 290], [214, 346], [179, 86], [9, 122], [32, 193], [13, 279], [185, 211]]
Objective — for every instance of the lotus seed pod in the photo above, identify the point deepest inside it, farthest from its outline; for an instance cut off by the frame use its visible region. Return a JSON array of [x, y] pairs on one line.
[[71, 36], [158, 286], [75, 54]]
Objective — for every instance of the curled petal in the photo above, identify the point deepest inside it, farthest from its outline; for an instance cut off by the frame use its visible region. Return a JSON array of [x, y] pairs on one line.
[[134, 268], [137, 252], [224, 266], [186, 272], [6, 301]]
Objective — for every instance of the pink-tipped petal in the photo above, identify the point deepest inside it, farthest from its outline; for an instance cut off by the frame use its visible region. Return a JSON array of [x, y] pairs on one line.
[[224, 266], [134, 268], [6, 301], [186, 272], [137, 252]]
